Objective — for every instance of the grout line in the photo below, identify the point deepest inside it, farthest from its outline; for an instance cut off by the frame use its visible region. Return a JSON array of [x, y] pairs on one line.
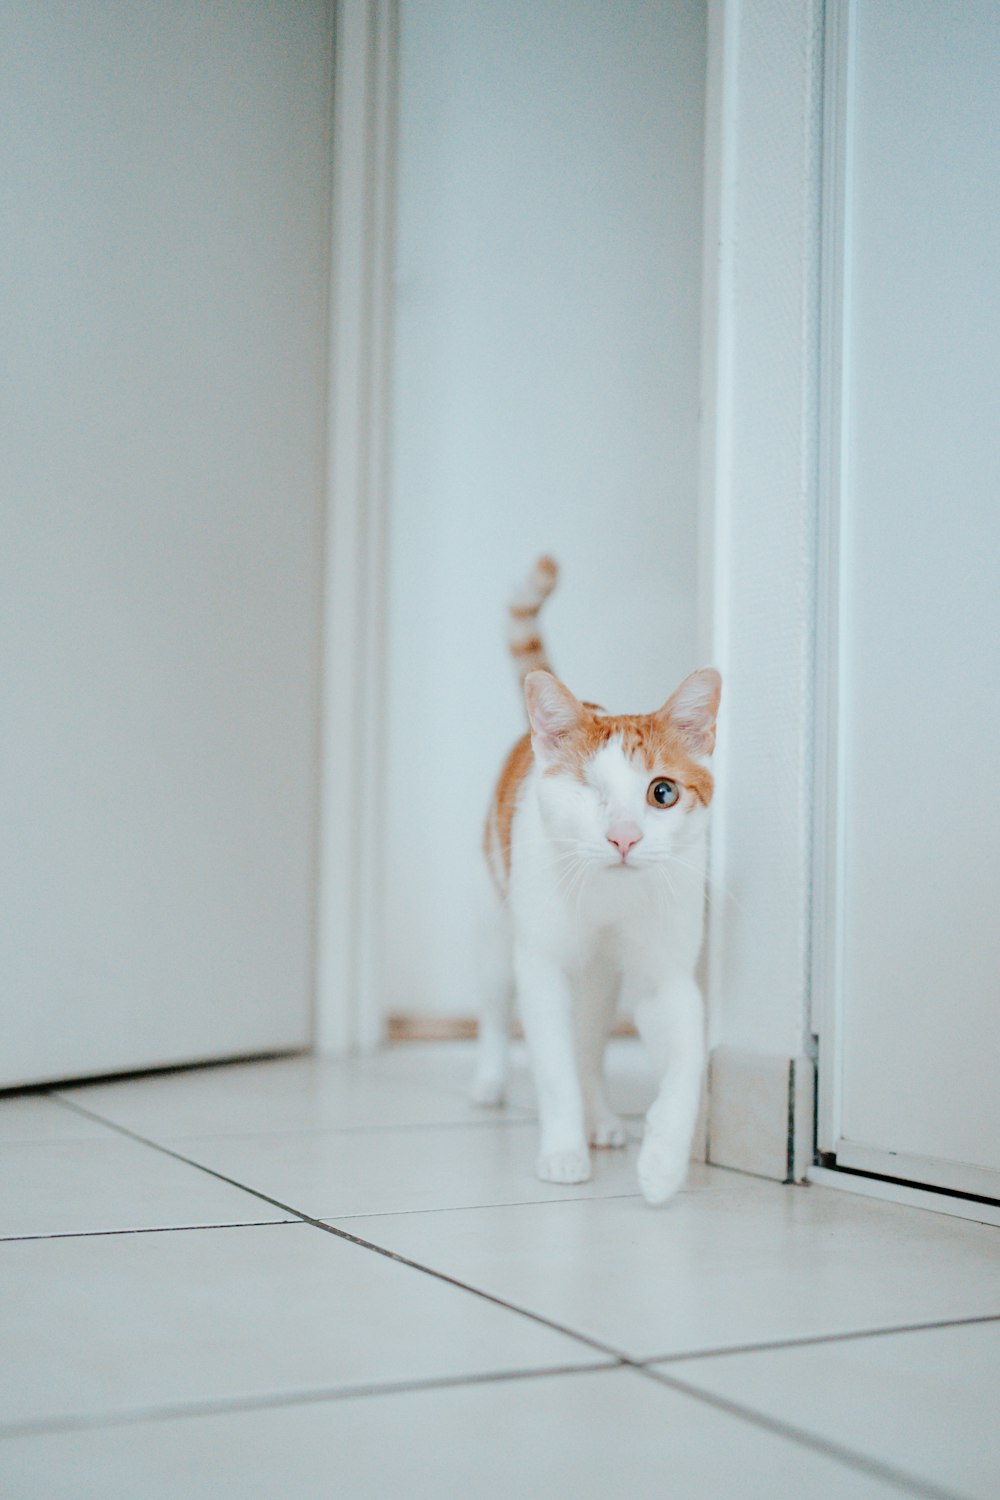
[[92, 1234], [511, 1114], [465, 1286], [471, 1208], [808, 1340], [222, 1406], [354, 1239], [615, 1358], [829, 1449], [642, 1365], [298, 1218], [325, 1130], [299, 1215], [496, 1123]]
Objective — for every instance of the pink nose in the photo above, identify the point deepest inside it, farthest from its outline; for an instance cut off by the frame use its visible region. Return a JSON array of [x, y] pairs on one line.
[[624, 836]]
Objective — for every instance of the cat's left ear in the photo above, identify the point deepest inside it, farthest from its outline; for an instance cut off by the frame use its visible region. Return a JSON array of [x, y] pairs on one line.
[[553, 712], [693, 709]]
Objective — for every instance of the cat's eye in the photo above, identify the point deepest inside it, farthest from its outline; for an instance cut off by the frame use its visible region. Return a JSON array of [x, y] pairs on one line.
[[663, 793]]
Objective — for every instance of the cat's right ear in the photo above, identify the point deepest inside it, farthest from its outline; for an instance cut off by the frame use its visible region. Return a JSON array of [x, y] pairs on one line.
[[553, 713]]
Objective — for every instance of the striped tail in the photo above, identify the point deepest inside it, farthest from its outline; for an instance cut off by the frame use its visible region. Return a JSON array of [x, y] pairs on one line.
[[523, 638]]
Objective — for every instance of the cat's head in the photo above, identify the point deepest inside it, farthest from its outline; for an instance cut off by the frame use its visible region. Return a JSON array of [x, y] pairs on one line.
[[630, 790]]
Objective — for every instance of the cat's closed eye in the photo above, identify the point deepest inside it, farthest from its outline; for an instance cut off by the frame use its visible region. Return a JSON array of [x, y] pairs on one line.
[[662, 792]]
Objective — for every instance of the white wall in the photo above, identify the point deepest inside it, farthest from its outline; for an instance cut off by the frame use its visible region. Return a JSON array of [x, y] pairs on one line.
[[164, 266], [546, 398]]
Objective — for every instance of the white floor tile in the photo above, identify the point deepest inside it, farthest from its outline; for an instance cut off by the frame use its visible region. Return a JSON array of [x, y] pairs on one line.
[[450, 1065], [35, 1117], [120, 1323], [288, 1094], [925, 1402], [733, 1260], [336, 1174], [88, 1186], [567, 1437], [110, 1326]]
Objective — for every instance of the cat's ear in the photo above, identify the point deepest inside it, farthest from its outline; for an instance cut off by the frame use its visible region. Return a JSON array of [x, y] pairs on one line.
[[692, 710], [553, 712]]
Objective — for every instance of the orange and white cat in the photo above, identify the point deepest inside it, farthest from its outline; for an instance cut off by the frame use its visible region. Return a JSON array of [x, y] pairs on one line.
[[596, 840]]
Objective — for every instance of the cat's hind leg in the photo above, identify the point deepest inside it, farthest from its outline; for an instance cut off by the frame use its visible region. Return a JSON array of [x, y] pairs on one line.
[[596, 1003], [489, 1084]]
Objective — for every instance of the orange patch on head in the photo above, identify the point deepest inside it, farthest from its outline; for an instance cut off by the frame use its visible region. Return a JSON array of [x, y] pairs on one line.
[[669, 744], [649, 738]]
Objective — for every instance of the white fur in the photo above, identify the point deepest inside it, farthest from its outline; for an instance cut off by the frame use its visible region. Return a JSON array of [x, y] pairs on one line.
[[581, 932]]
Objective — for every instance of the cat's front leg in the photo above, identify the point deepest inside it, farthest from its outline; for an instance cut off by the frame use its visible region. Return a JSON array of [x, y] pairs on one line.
[[546, 1003], [671, 1024]]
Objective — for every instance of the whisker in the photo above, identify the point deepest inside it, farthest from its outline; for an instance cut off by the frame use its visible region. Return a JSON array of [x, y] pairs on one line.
[[565, 882], [712, 883]]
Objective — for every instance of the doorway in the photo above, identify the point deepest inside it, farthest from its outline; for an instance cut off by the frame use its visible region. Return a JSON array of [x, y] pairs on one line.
[[545, 392]]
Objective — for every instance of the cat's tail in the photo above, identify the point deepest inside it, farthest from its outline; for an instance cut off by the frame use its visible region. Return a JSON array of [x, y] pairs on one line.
[[523, 639]]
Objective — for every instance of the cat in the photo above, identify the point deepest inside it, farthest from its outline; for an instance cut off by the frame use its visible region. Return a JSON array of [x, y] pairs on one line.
[[596, 841]]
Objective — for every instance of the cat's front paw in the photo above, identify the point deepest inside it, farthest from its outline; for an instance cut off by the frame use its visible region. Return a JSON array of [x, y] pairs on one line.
[[564, 1166], [663, 1167]]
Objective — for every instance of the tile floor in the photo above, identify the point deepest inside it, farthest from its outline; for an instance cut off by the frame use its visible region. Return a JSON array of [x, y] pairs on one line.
[[308, 1279]]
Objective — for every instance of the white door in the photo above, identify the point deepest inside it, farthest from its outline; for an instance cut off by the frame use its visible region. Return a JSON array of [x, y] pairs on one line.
[[164, 231], [909, 1049]]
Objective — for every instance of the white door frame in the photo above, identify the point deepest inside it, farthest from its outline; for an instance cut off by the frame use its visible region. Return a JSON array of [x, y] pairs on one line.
[[764, 148], [349, 1000], [831, 691], [828, 835]]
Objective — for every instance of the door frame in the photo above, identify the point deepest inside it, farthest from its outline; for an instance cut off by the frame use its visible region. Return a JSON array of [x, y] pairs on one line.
[[349, 925], [834, 1150], [829, 722]]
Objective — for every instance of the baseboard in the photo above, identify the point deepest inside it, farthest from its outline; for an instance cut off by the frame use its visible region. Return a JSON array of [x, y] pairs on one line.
[[761, 1113], [405, 1028], [411, 1028]]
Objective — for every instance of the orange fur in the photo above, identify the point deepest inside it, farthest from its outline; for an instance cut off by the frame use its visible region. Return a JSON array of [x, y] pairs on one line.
[[496, 841], [523, 641], [649, 737]]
